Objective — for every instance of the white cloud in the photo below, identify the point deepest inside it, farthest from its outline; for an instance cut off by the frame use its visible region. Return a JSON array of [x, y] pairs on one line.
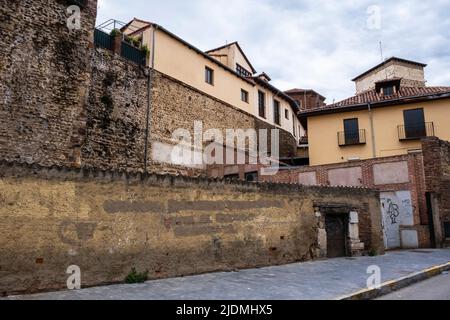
[[317, 44]]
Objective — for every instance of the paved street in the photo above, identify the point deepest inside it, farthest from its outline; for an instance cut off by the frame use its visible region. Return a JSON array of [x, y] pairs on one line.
[[437, 288], [328, 279]]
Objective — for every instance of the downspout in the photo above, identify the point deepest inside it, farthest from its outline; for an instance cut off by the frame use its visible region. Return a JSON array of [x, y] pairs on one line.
[[149, 98], [372, 131]]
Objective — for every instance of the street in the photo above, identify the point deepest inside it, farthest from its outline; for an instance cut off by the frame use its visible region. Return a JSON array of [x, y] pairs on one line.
[[437, 288], [314, 280]]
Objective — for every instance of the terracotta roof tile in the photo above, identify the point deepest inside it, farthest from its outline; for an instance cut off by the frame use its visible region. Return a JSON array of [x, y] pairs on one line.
[[373, 97]]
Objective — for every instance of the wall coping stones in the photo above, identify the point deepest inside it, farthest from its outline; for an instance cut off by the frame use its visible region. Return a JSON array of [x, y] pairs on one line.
[[17, 169]]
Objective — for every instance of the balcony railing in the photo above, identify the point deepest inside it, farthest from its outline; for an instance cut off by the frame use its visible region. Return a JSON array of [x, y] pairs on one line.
[[103, 40], [132, 53], [352, 138], [80, 3], [416, 132]]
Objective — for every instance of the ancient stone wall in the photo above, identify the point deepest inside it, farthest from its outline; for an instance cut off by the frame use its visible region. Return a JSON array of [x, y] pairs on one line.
[[44, 75], [109, 222]]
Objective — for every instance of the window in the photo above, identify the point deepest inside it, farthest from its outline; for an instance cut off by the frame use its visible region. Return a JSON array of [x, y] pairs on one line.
[[240, 70], [388, 91], [351, 131], [262, 104], [286, 113], [276, 112], [209, 76], [244, 95], [414, 123]]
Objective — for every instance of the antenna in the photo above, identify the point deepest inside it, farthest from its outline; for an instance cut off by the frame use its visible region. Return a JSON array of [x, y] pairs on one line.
[[381, 51]]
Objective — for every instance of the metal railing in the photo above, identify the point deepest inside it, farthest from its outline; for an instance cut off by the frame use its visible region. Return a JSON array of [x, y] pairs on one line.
[[416, 131], [132, 53], [351, 138], [80, 3], [103, 39]]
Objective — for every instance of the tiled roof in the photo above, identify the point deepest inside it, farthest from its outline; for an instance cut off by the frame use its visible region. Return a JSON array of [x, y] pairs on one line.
[[373, 97]]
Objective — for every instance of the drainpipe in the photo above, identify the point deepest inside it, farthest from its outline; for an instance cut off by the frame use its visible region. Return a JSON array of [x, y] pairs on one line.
[[372, 131], [149, 98]]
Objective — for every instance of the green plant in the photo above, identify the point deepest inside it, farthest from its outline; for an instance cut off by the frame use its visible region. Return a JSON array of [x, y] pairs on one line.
[[146, 50], [115, 32], [136, 277], [373, 253]]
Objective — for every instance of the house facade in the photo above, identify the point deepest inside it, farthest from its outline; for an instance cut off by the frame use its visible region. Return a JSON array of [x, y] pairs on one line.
[[224, 73], [391, 112]]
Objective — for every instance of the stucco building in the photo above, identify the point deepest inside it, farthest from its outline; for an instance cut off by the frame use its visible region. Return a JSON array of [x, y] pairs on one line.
[[225, 73], [391, 111]]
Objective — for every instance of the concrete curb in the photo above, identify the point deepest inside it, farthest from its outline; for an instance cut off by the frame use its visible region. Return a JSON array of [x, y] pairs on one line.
[[395, 285]]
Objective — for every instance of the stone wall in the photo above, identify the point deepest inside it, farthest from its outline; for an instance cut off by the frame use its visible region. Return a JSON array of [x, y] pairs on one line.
[[44, 73], [393, 176], [437, 177], [109, 222]]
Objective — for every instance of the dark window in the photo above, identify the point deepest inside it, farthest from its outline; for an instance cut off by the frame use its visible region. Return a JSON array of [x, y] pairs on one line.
[[244, 95], [262, 104], [351, 131], [251, 177], [388, 91], [286, 113], [414, 123], [293, 126], [276, 112], [240, 70], [209, 76]]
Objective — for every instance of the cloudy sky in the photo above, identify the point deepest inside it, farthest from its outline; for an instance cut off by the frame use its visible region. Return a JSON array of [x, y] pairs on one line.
[[314, 44]]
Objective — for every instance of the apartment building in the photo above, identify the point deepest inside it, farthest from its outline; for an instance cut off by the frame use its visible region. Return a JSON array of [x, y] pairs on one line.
[[392, 111], [224, 73]]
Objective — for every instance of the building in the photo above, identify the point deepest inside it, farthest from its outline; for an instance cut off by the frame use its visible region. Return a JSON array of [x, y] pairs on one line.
[[390, 136], [391, 111], [307, 99], [224, 73]]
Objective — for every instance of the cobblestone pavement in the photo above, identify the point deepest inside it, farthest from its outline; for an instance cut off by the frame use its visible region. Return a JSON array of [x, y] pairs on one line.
[[316, 280]]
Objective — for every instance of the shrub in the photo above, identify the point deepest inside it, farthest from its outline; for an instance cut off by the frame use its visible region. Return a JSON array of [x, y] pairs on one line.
[[136, 277]]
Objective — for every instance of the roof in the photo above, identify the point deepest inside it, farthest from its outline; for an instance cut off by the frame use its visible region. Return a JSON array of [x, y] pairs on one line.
[[240, 49], [361, 101], [268, 86], [302, 91], [205, 55], [386, 62]]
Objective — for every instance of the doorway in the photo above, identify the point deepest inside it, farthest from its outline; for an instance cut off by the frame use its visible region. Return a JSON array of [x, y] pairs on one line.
[[336, 227]]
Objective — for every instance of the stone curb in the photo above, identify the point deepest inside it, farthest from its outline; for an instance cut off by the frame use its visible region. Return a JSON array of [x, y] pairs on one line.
[[395, 285]]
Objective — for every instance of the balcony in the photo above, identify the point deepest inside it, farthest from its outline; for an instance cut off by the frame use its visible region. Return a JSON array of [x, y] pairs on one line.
[[352, 138], [80, 3], [416, 132]]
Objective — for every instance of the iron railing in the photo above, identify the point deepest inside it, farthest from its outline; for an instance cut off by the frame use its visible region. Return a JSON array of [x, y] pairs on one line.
[[351, 138], [80, 3], [132, 53], [416, 131], [103, 39]]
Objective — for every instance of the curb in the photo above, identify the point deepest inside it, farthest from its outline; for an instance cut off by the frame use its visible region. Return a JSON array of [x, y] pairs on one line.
[[395, 285]]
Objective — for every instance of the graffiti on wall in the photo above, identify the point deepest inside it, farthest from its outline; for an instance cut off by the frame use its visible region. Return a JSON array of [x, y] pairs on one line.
[[398, 213]]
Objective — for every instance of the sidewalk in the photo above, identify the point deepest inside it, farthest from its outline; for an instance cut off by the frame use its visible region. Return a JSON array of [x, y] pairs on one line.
[[317, 280]]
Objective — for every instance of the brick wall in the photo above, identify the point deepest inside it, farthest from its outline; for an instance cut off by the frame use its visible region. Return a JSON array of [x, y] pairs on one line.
[[109, 222], [437, 179], [415, 183], [44, 73]]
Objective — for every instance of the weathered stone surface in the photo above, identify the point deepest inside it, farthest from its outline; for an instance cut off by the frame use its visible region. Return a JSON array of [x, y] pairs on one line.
[[109, 223]]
